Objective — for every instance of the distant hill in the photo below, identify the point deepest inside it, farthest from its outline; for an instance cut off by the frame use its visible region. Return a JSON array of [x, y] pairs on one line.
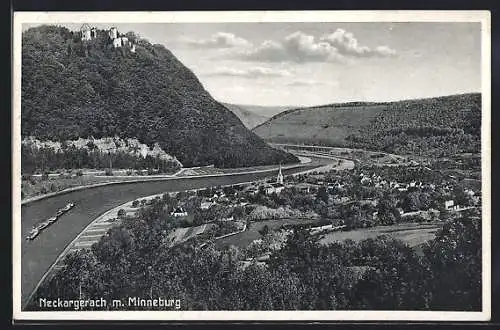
[[266, 111], [73, 88], [253, 115], [434, 126]]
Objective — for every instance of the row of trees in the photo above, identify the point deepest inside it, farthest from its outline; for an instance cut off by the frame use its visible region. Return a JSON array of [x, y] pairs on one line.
[[374, 274], [47, 159]]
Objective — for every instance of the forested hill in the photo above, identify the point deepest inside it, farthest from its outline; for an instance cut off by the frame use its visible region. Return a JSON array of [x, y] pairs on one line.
[[248, 118], [73, 88], [439, 126]]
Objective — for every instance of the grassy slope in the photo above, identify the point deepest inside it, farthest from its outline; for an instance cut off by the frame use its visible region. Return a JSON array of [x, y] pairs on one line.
[[433, 126], [326, 124]]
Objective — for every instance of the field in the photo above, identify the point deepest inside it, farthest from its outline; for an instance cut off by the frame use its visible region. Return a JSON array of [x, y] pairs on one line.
[[183, 234], [412, 234], [252, 233], [327, 125]]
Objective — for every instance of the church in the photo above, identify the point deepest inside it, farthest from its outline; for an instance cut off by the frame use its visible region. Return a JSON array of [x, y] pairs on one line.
[[276, 187]]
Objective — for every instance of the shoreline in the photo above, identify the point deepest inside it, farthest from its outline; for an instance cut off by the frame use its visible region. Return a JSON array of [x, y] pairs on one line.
[[26, 201]]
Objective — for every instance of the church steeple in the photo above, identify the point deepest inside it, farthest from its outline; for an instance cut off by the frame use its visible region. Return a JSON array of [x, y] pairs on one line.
[[280, 176]]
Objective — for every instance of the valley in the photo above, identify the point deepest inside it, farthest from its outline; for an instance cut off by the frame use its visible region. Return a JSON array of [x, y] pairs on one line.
[[343, 206]]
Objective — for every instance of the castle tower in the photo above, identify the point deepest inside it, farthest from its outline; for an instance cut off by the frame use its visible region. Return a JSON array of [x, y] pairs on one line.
[[279, 179], [113, 33], [124, 41], [117, 42], [85, 32]]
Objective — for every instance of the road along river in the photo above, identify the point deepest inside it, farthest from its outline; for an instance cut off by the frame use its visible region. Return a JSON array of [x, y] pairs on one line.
[[38, 255]]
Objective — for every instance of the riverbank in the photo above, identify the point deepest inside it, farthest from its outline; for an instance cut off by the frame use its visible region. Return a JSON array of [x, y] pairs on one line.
[[37, 188]]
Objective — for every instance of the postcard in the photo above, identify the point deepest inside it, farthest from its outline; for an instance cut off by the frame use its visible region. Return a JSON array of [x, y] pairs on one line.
[[278, 165]]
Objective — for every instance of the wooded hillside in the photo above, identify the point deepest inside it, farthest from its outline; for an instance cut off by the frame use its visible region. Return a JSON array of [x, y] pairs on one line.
[[436, 127], [73, 88]]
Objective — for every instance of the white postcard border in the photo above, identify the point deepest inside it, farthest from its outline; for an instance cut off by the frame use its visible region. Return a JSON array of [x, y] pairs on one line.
[[483, 17]]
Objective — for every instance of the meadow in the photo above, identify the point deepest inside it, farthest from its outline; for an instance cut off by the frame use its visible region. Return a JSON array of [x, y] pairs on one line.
[[412, 234]]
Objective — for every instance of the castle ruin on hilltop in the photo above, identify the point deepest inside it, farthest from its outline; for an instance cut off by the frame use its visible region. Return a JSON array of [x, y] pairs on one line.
[[116, 39]]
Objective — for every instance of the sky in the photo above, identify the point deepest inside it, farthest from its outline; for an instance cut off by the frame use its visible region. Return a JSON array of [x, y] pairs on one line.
[[305, 64]]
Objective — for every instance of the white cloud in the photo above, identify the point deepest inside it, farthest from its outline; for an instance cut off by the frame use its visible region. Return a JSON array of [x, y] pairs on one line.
[[298, 47], [385, 51], [253, 72], [219, 40], [348, 45]]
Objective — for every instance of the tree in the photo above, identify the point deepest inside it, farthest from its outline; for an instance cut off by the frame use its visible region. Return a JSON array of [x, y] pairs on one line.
[[395, 277], [352, 216], [264, 231], [387, 212], [425, 201], [239, 212], [121, 213], [455, 260], [322, 194], [228, 190], [303, 274], [411, 202]]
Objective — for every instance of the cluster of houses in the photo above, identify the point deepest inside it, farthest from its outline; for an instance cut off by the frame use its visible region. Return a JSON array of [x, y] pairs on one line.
[[217, 198], [276, 187], [378, 182], [116, 39], [279, 185], [450, 205], [269, 188]]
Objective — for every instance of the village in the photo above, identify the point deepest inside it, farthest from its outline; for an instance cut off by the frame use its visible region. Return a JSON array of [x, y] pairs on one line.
[[367, 197], [264, 164]]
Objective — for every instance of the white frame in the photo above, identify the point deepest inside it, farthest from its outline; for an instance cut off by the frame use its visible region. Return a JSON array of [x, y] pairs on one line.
[[257, 16]]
